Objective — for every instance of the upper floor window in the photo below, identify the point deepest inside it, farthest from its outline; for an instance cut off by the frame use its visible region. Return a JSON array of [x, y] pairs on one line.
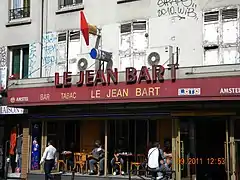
[[221, 36], [19, 9], [19, 62], [66, 3], [133, 44]]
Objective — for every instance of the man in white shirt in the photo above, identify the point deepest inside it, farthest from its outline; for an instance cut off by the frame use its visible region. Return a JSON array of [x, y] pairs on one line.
[[50, 158], [156, 160]]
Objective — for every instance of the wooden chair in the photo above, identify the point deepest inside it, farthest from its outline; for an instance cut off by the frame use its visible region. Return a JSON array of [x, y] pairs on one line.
[[59, 163], [119, 165], [77, 162], [137, 164], [83, 162]]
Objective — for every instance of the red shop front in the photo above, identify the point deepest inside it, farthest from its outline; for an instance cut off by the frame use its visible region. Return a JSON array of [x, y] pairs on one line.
[[174, 106], [201, 89]]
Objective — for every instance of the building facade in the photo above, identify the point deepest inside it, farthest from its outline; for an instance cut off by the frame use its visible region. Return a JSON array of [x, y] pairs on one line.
[[196, 41]]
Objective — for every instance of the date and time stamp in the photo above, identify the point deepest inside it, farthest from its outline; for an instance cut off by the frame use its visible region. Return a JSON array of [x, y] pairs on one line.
[[199, 161]]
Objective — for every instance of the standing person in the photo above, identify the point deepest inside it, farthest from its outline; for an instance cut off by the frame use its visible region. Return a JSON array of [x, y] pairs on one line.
[[156, 160], [97, 157], [50, 158], [71, 158]]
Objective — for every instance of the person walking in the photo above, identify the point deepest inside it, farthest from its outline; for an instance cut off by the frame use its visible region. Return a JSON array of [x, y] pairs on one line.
[[156, 161], [49, 159]]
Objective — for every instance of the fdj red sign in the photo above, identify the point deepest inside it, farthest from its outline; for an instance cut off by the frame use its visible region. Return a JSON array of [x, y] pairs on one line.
[[92, 78]]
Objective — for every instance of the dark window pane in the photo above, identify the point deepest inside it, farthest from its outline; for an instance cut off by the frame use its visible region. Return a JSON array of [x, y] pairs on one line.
[[230, 14], [16, 62], [78, 1], [68, 2], [74, 35], [125, 28], [211, 16], [26, 3], [25, 63], [141, 25]]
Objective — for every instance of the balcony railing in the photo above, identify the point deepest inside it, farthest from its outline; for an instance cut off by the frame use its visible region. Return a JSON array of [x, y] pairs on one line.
[[65, 3], [19, 13]]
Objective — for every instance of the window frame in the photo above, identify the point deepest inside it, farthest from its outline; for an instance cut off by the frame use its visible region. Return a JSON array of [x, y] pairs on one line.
[[11, 49], [131, 32], [62, 2], [21, 12], [220, 22]]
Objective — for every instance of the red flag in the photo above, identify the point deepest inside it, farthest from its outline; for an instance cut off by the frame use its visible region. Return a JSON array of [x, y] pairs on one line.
[[84, 27]]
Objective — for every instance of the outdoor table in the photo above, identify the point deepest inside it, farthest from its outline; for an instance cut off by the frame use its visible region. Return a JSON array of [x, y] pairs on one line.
[[127, 157]]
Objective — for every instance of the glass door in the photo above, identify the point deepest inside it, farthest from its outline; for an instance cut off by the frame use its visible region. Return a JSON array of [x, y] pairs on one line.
[[231, 151], [176, 149], [237, 159]]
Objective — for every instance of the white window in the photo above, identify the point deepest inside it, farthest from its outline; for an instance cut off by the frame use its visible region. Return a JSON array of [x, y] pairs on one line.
[[19, 62], [221, 34], [133, 44], [65, 3], [19, 9], [74, 47]]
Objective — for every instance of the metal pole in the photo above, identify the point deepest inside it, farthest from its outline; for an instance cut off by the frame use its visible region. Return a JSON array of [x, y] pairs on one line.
[[106, 148], [41, 38], [67, 51]]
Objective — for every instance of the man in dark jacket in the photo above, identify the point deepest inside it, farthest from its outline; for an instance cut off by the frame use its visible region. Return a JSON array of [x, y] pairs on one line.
[[97, 157]]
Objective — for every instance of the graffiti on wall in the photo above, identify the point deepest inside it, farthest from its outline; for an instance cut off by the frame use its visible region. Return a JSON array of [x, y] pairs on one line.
[[178, 8], [32, 68], [49, 54], [3, 56], [3, 67]]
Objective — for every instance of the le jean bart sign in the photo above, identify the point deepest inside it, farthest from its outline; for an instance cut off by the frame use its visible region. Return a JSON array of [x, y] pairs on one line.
[[110, 81]]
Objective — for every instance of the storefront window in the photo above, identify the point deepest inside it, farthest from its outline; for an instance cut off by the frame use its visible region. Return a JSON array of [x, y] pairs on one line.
[[36, 146], [14, 151], [63, 133]]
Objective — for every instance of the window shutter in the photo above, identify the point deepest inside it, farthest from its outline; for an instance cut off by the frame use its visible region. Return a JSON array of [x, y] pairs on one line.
[[229, 14], [62, 37], [211, 16], [74, 35], [140, 25], [125, 28]]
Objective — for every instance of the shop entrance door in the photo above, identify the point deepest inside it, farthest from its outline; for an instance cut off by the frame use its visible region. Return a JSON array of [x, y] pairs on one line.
[[233, 158], [237, 160], [176, 149]]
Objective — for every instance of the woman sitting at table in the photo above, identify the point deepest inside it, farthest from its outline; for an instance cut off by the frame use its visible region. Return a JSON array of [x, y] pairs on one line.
[[97, 157], [117, 157]]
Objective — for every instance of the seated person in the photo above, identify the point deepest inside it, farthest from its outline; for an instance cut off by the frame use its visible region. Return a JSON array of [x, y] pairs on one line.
[[97, 157], [156, 161], [117, 158], [167, 150]]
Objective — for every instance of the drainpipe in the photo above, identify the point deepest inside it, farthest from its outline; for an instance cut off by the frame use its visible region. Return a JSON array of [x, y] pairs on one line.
[[41, 38]]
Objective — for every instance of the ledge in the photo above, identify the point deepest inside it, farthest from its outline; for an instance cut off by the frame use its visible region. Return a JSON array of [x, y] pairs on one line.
[[70, 9], [126, 1], [19, 22]]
